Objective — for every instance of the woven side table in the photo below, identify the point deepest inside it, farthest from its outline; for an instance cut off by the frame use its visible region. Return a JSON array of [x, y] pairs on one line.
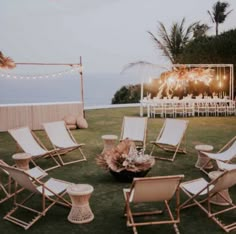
[[80, 211], [202, 159], [217, 199], [109, 142], [22, 160]]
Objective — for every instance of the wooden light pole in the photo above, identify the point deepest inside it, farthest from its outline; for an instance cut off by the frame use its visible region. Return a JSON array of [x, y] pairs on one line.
[[82, 84]]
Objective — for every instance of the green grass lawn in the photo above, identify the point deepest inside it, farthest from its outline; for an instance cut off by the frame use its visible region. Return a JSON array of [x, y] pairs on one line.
[[107, 200]]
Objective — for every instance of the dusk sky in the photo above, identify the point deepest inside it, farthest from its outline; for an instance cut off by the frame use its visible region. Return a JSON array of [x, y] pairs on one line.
[[108, 34]]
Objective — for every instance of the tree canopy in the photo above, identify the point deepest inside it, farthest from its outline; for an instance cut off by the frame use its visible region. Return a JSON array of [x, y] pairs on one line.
[[127, 94]]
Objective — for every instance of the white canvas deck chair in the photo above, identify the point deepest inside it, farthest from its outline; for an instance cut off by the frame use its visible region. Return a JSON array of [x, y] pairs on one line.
[[49, 193], [225, 166], [171, 137], [30, 143], [63, 140], [225, 154], [6, 187], [160, 190], [135, 129], [200, 192]]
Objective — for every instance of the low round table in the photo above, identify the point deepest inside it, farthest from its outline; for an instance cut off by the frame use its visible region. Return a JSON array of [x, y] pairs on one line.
[[217, 199], [80, 211], [109, 142], [22, 160], [202, 159]]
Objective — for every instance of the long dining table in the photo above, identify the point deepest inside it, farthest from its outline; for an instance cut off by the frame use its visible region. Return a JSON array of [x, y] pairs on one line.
[[149, 103]]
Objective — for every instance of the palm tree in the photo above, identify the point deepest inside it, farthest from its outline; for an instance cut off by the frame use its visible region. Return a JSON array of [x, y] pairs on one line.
[[219, 14], [172, 44], [200, 30]]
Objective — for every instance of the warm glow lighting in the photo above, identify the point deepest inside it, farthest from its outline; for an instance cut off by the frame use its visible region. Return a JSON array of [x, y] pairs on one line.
[[224, 76], [171, 80], [150, 80], [182, 77]]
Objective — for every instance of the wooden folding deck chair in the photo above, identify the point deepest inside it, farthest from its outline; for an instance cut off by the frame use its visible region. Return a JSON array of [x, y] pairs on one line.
[[200, 192], [63, 140], [159, 189], [171, 137], [6, 187], [30, 143], [225, 154], [135, 129], [51, 191]]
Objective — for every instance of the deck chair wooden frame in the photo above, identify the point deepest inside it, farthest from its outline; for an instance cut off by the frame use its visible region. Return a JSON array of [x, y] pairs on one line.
[[225, 154], [28, 142], [63, 141], [161, 189], [52, 190], [200, 191], [172, 137], [6, 188], [135, 129]]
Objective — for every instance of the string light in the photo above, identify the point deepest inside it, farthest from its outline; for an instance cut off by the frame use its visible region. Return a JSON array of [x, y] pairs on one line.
[[6, 75]]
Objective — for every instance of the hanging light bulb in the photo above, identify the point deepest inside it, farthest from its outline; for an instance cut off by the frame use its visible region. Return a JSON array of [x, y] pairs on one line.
[[224, 76], [220, 84], [217, 75]]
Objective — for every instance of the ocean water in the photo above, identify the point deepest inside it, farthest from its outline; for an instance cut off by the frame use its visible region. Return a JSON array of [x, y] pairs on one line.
[[98, 89]]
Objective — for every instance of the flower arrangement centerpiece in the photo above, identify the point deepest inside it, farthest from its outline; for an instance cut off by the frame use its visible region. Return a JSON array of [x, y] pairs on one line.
[[126, 162]]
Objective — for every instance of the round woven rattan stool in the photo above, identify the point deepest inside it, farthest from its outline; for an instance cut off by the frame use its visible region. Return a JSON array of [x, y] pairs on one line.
[[109, 142], [22, 160], [202, 159], [80, 211]]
